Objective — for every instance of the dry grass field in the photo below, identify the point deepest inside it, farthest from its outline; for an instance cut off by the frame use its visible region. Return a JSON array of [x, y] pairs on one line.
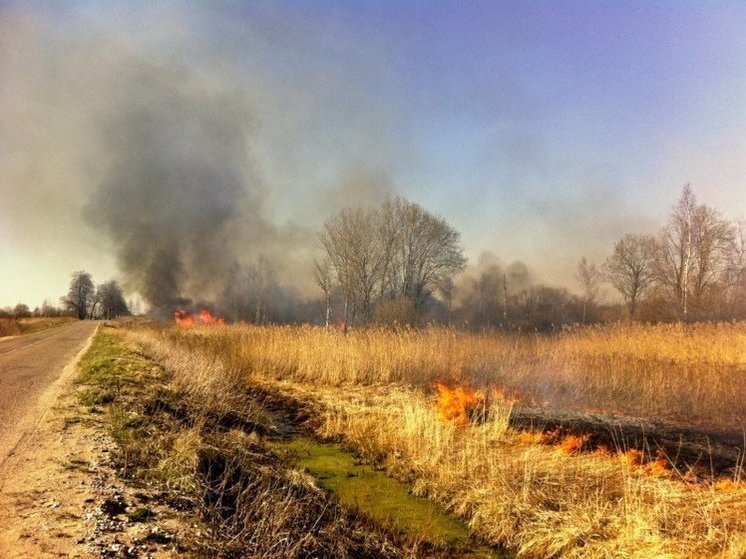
[[375, 391], [694, 374], [17, 326]]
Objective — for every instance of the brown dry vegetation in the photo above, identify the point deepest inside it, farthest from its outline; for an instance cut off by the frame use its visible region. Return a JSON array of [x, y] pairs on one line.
[[17, 326], [692, 374], [186, 431], [372, 389]]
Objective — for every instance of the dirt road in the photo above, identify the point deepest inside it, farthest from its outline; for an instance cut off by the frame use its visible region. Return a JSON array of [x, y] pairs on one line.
[[30, 366]]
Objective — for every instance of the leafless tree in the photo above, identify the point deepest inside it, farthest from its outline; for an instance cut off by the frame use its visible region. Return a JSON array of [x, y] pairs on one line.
[[589, 277], [428, 251], [735, 270], [111, 300], [447, 289], [322, 273], [630, 268], [260, 282], [675, 250], [398, 251], [80, 294], [21, 310], [353, 247], [714, 242], [693, 251], [389, 231]]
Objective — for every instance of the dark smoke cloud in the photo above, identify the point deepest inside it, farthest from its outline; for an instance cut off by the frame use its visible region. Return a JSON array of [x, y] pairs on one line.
[[182, 169], [178, 193]]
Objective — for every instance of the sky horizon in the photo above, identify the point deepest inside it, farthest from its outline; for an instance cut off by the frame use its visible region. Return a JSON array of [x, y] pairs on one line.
[[542, 131]]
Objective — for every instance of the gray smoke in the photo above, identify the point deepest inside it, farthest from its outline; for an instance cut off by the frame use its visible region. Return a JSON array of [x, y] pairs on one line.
[[482, 290], [178, 195], [181, 169]]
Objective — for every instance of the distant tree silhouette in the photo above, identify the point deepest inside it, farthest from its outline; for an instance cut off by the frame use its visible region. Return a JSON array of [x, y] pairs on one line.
[[80, 295]]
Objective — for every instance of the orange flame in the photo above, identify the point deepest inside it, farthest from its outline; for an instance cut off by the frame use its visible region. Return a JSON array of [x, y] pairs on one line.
[[658, 467], [185, 318], [533, 437], [572, 444], [458, 403]]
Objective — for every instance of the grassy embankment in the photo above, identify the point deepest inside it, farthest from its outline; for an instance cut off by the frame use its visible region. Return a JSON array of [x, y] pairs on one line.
[[372, 389], [188, 426], [18, 326]]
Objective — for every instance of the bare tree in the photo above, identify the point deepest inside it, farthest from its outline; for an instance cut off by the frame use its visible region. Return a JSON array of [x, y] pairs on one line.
[[714, 242], [21, 310], [399, 251], [693, 251], [589, 277], [447, 289], [427, 252], [630, 268], [735, 271], [111, 300], [322, 273], [389, 231], [352, 245], [261, 286], [675, 251], [80, 295]]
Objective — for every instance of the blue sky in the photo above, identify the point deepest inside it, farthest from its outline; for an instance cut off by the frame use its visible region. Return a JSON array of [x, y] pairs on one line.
[[543, 131]]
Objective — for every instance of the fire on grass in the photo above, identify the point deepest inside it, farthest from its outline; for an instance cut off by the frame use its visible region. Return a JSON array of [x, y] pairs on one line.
[[462, 405], [205, 317]]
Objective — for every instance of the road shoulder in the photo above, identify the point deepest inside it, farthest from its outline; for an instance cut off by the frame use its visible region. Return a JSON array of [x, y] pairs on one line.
[[59, 494], [43, 489]]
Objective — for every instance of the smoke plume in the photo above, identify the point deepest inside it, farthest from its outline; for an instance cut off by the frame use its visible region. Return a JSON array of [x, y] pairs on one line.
[[178, 195], [179, 167]]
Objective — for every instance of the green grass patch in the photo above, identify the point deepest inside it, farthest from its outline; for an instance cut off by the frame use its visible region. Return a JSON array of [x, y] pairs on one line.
[[96, 396], [109, 364], [116, 380]]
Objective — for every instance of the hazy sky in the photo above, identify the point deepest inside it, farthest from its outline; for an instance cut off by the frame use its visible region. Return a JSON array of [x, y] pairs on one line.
[[542, 131]]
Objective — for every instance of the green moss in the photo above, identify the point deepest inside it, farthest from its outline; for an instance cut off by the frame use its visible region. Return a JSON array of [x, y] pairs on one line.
[[380, 497]]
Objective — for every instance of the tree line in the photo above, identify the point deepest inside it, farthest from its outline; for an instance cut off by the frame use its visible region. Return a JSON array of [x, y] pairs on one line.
[[84, 299], [693, 269], [398, 263]]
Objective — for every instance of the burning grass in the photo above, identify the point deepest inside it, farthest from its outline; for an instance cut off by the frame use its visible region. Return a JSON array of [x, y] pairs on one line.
[[542, 495], [458, 404], [203, 318]]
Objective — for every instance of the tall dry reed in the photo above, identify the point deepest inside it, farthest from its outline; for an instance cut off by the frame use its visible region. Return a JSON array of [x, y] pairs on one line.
[[695, 374], [372, 390]]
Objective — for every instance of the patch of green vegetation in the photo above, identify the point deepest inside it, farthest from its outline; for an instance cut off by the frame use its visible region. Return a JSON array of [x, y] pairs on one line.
[[96, 396], [378, 496], [119, 379], [110, 364], [140, 514]]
